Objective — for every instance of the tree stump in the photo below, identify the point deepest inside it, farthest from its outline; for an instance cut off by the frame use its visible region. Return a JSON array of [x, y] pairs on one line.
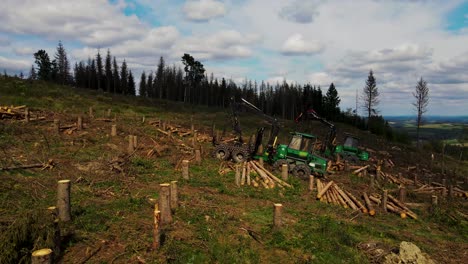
[[26, 114], [57, 239], [185, 169], [277, 215], [238, 175], [164, 203], [131, 148], [42, 256], [197, 156], [384, 200], [91, 115], [114, 131], [57, 126], [261, 161], [63, 200], [372, 181], [311, 183], [79, 123], [194, 139], [434, 203], [402, 193], [174, 195], [135, 142], [284, 172], [156, 227], [109, 113]]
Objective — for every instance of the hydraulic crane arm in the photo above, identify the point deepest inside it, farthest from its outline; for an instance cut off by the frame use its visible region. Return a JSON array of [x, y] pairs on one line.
[[331, 135], [236, 124]]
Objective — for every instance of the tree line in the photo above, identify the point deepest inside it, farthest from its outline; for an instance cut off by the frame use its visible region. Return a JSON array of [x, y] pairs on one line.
[[192, 85]]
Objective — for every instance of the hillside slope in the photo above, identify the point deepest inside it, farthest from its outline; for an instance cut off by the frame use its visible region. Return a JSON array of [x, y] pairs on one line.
[[113, 192]]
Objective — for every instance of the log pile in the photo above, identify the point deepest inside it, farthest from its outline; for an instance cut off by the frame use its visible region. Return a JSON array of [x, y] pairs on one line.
[[331, 193], [16, 112], [394, 206], [438, 188], [254, 174]]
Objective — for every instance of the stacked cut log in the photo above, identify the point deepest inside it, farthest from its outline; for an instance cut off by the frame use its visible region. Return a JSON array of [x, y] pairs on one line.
[[256, 175], [331, 193], [335, 166], [16, 112], [436, 187], [394, 206]]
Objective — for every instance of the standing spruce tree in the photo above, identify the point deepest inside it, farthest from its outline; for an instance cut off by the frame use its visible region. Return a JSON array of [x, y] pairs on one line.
[[421, 95], [194, 74], [370, 97], [99, 71], [159, 79], [142, 92], [63, 65], [108, 71], [44, 66], [131, 84], [124, 78], [332, 102], [32, 73], [150, 87], [115, 77]]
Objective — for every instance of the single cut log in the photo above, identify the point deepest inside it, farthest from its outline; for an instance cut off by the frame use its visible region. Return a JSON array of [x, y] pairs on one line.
[[63, 200], [247, 174], [42, 256], [369, 205], [322, 192]]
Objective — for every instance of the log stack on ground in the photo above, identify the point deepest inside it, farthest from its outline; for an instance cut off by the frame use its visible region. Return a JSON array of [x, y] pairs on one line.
[[331, 193], [394, 206], [254, 174]]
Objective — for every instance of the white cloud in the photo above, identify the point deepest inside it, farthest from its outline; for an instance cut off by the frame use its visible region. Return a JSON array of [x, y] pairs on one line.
[[93, 22], [24, 51], [300, 11], [203, 10], [296, 45], [225, 44], [320, 78], [14, 65]]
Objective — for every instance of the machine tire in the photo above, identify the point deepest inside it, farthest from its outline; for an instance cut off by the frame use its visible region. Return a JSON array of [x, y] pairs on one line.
[[279, 163], [222, 152], [350, 158], [301, 171], [239, 154]]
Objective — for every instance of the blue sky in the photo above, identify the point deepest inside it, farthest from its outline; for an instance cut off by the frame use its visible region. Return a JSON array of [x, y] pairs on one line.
[[314, 41]]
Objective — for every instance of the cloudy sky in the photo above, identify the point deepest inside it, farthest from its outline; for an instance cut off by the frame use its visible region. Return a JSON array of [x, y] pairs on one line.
[[316, 41]]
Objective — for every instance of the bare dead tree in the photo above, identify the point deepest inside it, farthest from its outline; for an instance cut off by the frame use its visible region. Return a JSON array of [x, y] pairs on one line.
[[421, 94]]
